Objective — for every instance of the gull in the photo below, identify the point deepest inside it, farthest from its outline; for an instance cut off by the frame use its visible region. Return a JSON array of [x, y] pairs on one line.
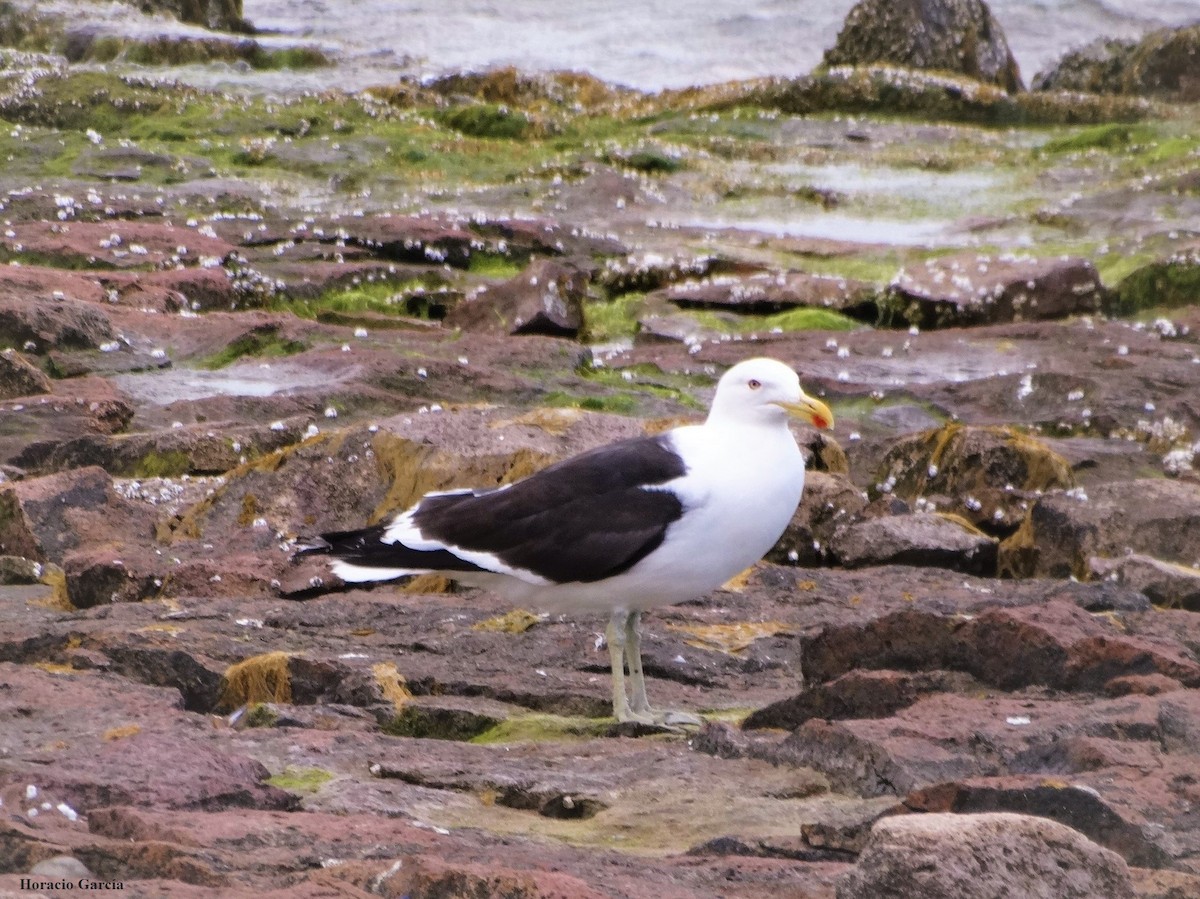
[[616, 530]]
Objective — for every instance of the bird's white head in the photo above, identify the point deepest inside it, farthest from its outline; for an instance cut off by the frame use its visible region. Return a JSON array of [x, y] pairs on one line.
[[765, 391]]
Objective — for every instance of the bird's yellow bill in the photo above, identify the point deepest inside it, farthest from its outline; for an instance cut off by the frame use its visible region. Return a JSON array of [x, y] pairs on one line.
[[810, 410]]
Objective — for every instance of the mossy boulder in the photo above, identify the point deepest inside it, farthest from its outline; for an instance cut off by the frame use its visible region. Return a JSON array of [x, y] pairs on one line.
[[1164, 64], [488, 120], [1172, 281], [959, 36], [78, 100], [987, 475], [509, 87], [890, 90], [20, 377], [1064, 531]]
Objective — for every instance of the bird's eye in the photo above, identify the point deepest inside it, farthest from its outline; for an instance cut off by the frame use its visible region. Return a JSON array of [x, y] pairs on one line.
[[754, 384]]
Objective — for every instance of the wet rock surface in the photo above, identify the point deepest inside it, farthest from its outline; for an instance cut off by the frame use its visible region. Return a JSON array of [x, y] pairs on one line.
[[982, 618]]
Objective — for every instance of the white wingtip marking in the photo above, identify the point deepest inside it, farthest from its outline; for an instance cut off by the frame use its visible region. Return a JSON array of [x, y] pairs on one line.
[[362, 574]]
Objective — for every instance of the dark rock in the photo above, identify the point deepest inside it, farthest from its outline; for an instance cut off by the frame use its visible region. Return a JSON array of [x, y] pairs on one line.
[[87, 406], [649, 272], [196, 289], [1141, 685], [829, 501], [51, 323], [446, 718], [164, 847], [969, 289], [767, 293], [848, 828], [881, 88], [1162, 64], [1110, 768], [1166, 584], [508, 84], [1056, 644], [20, 377], [922, 538], [219, 15], [409, 239], [657, 326], [822, 453], [19, 570], [984, 856], [1161, 884], [1096, 68], [720, 739], [546, 298], [789, 847], [947, 35], [1179, 722], [171, 774], [95, 578], [1082, 810], [868, 757], [138, 761], [858, 694], [210, 448], [116, 244], [1062, 532], [523, 238], [44, 518], [987, 475], [194, 679]]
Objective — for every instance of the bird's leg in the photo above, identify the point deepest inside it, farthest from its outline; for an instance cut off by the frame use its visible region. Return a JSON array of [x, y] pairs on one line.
[[640, 705], [633, 653], [618, 629]]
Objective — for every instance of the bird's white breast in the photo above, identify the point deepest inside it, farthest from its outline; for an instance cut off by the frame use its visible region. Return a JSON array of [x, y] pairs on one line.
[[739, 493]]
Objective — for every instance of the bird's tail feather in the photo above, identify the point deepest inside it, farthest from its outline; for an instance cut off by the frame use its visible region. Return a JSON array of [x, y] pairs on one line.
[[362, 556]]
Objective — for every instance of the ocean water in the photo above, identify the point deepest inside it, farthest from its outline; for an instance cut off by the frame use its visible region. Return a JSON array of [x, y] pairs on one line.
[[652, 44]]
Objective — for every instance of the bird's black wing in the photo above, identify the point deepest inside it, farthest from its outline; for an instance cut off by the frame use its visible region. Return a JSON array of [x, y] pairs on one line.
[[581, 520]]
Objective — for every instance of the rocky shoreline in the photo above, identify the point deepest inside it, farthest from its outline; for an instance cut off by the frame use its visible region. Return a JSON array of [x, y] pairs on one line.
[[229, 320]]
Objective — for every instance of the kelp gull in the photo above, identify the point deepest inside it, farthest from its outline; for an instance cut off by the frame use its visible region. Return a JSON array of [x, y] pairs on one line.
[[618, 529]]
